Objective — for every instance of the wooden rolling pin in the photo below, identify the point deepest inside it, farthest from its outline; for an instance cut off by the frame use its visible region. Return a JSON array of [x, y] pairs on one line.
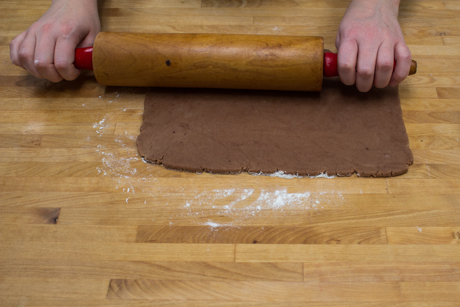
[[263, 62]]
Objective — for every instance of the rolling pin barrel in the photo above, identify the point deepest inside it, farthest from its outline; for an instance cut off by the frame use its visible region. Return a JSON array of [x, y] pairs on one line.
[[291, 63], [264, 62]]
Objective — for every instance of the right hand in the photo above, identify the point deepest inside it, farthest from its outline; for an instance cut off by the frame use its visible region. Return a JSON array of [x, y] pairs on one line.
[[369, 41], [47, 48]]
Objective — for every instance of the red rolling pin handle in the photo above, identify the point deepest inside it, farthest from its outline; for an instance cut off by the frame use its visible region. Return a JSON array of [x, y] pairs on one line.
[[330, 64], [84, 58]]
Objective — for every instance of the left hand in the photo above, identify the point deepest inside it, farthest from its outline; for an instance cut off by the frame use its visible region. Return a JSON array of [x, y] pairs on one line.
[[369, 41]]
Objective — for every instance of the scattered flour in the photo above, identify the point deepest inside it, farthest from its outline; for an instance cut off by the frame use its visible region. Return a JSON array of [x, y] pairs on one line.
[[282, 174], [212, 224], [211, 207], [101, 125], [277, 29], [117, 160], [280, 198], [237, 206]]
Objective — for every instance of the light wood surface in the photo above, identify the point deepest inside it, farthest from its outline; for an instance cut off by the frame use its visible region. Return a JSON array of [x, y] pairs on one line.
[[84, 222]]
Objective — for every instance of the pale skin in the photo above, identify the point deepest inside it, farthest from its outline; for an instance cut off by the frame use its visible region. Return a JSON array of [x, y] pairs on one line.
[[47, 48], [369, 41]]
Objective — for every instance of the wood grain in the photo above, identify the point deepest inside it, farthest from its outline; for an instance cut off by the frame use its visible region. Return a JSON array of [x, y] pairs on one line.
[[103, 269], [352, 253], [431, 291], [423, 235], [381, 271], [118, 251], [159, 290], [58, 233], [84, 222], [40, 302], [30, 216], [261, 235], [54, 287], [286, 63]]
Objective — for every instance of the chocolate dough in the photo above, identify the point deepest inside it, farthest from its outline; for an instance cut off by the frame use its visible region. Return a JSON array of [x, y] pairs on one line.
[[338, 131]]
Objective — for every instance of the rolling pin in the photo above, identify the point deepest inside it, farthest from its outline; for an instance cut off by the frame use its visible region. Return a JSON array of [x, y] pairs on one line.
[[262, 62]]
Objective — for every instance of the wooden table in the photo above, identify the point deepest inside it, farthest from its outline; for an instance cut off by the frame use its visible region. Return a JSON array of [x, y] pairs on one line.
[[84, 222]]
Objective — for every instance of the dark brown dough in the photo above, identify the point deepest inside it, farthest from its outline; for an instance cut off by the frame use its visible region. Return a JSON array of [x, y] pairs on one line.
[[338, 131]]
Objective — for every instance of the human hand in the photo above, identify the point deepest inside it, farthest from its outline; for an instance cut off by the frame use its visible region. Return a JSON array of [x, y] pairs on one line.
[[369, 41], [47, 48]]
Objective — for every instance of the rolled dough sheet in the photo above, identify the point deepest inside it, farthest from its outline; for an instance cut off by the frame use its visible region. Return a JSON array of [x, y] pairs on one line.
[[339, 131]]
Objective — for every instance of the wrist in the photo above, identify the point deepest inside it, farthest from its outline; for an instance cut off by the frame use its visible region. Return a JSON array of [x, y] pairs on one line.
[[372, 6], [394, 3], [87, 3]]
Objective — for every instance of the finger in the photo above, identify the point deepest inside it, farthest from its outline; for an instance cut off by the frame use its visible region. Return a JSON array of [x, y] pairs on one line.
[[44, 58], [346, 62], [365, 68], [64, 57], [403, 61], [14, 49], [88, 41], [26, 54], [384, 66]]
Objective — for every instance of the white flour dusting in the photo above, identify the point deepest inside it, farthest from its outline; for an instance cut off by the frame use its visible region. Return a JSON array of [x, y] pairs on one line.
[[280, 198], [244, 205], [118, 157], [215, 208], [212, 224], [101, 125], [282, 174]]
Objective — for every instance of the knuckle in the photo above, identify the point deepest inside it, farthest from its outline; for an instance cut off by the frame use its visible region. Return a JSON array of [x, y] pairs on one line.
[[24, 54], [405, 55], [385, 65], [366, 72], [46, 28], [66, 29], [347, 32], [346, 67], [41, 64]]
